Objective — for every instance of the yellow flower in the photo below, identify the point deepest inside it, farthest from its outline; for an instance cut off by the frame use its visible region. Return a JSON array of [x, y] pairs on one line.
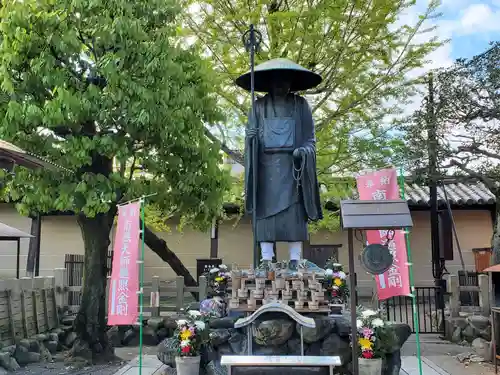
[[365, 344], [218, 278], [185, 334], [337, 282]]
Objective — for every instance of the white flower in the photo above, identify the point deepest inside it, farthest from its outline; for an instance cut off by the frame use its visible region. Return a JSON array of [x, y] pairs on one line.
[[359, 323], [184, 343], [368, 313], [223, 267], [328, 272], [214, 270], [194, 313], [377, 322], [342, 275], [200, 325], [335, 287], [181, 322]]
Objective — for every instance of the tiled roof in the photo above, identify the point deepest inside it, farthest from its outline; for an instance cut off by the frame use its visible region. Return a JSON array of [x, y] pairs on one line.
[[25, 158], [459, 193]]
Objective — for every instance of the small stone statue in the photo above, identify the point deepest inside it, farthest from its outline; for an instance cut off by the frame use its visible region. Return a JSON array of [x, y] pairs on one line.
[[287, 185]]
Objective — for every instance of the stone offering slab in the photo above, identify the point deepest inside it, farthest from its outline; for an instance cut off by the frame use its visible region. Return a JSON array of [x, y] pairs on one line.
[[277, 360]]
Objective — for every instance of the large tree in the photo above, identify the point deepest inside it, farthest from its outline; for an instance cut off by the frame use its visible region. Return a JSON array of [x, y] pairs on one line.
[[462, 104], [364, 51], [107, 91]]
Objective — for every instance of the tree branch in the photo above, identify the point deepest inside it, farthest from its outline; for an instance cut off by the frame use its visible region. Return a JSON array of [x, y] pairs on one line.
[[484, 179], [235, 155], [160, 248], [476, 150]]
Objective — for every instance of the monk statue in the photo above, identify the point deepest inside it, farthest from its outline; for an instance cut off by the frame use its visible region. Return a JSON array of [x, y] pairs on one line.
[[287, 185]]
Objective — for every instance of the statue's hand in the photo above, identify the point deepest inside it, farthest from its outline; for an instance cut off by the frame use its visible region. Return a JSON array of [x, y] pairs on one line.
[[299, 152], [251, 133]]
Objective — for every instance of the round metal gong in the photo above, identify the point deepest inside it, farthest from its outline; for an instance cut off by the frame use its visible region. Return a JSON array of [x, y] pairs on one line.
[[376, 259]]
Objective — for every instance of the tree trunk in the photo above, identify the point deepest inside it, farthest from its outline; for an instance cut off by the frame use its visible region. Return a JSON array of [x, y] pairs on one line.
[[90, 322], [161, 248]]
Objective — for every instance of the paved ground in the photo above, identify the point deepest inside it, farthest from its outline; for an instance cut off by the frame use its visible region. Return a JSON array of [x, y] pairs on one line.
[[432, 365], [439, 358]]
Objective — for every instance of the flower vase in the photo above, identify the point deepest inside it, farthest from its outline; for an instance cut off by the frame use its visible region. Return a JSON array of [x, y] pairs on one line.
[[372, 366], [187, 365]]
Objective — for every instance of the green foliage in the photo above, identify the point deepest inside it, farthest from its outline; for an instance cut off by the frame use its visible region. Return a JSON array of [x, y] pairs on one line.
[[106, 89], [356, 46]]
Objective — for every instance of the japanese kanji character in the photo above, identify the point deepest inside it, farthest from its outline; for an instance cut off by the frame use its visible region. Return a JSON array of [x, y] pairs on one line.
[[123, 285], [122, 309], [394, 281], [379, 195], [124, 261]]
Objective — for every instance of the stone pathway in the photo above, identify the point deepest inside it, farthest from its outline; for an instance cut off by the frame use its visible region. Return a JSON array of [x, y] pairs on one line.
[[432, 365], [150, 366]]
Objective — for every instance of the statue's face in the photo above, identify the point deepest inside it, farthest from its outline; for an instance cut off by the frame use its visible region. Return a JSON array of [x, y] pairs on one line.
[[280, 86]]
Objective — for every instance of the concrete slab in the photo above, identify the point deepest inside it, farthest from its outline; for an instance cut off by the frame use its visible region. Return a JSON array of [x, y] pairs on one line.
[[410, 367], [150, 366]]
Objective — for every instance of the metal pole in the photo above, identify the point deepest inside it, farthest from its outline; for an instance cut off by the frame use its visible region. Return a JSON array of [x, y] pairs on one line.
[[18, 257], [252, 39], [354, 296], [432, 151], [141, 282]]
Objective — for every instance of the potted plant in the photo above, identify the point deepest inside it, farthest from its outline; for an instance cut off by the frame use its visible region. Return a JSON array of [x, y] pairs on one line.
[[191, 334], [374, 340], [335, 283]]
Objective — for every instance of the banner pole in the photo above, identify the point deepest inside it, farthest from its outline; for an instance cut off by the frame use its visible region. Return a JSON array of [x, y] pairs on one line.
[[416, 318], [141, 283]]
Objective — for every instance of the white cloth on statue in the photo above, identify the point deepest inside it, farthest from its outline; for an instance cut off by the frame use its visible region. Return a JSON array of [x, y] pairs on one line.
[[267, 250]]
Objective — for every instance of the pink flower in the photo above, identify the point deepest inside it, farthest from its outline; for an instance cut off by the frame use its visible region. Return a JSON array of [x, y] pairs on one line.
[[367, 332]]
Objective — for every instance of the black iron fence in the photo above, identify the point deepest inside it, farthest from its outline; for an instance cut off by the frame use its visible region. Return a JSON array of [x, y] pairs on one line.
[[74, 275], [430, 316]]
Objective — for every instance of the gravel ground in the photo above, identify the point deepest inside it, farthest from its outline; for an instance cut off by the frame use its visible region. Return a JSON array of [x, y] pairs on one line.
[[60, 368]]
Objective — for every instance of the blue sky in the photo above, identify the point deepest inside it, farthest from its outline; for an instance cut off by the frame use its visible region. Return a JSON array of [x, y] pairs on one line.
[[471, 25]]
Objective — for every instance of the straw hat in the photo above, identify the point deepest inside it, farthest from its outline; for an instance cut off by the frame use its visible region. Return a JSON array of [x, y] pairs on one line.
[[299, 77]]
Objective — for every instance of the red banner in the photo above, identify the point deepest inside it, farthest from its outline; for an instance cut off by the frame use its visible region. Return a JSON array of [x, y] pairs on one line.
[[383, 185], [124, 284]]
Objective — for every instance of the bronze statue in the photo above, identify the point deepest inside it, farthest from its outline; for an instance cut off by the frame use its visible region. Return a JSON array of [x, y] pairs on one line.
[[287, 186]]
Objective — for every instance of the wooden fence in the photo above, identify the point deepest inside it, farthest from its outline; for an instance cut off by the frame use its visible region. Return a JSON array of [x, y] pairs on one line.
[[27, 307], [160, 296], [456, 291]]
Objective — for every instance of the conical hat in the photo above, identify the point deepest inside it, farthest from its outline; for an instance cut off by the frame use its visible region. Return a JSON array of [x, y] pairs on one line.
[[300, 77]]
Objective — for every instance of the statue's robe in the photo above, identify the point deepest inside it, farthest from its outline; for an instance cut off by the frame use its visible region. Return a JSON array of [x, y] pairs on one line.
[[286, 199]]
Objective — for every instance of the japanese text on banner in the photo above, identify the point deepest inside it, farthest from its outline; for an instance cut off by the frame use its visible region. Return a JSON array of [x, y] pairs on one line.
[[124, 283]]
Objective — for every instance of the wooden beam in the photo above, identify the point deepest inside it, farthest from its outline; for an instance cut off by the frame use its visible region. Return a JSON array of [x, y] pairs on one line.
[[214, 239]]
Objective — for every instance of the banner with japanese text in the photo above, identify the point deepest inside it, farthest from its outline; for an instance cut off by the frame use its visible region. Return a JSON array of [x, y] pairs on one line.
[[124, 284], [383, 185]]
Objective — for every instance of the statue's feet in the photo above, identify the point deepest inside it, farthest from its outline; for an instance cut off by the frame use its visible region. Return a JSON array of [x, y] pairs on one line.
[[293, 267], [264, 267]]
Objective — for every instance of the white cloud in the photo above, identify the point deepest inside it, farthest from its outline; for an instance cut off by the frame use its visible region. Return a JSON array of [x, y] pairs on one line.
[[478, 18]]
